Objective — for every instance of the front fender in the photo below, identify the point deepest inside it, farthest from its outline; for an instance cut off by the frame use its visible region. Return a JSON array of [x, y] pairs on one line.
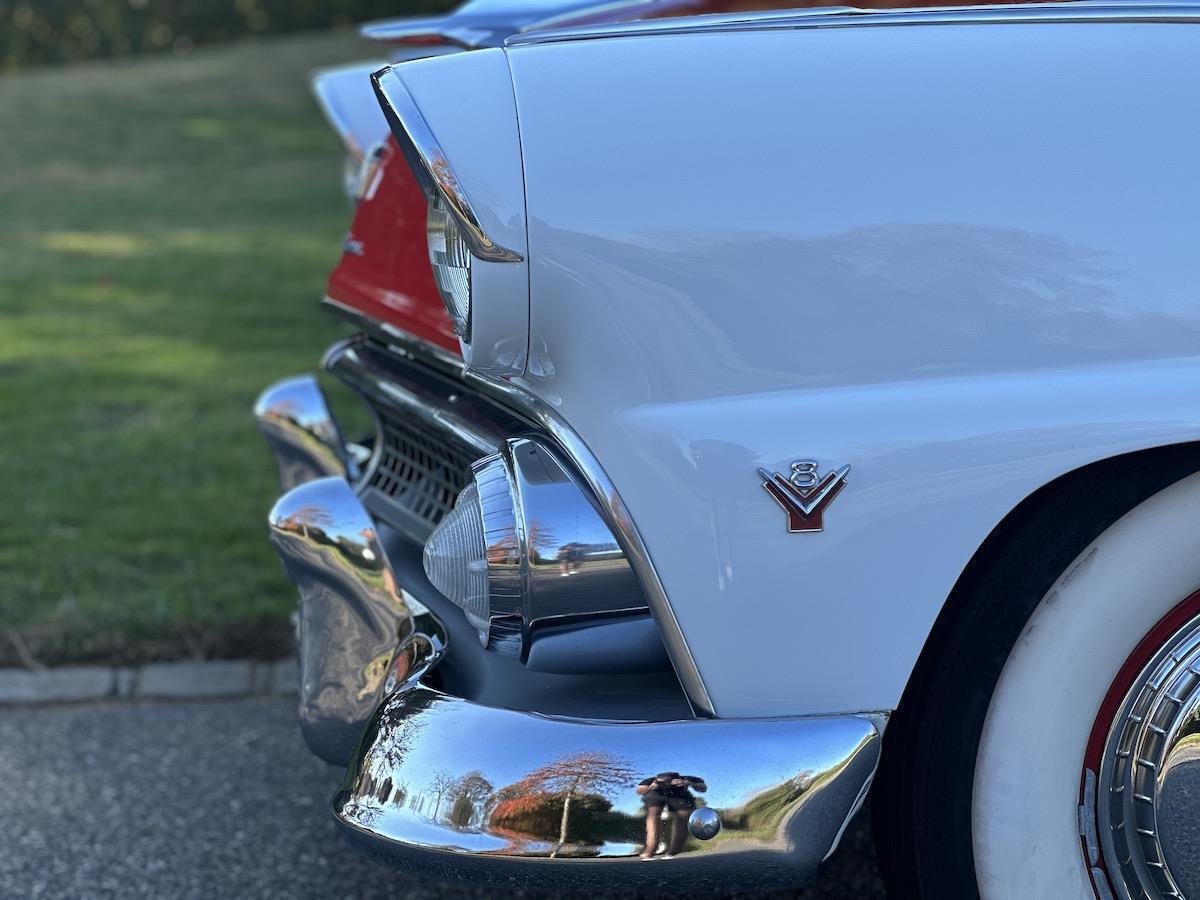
[[961, 275]]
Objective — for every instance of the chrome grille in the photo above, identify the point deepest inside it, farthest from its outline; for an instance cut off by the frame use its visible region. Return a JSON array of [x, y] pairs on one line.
[[430, 426], [416, 475]]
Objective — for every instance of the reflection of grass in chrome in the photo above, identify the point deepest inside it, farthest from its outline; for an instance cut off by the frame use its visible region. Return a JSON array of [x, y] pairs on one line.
[[370, 574], [762, 817], [315, 447], [153, 278]]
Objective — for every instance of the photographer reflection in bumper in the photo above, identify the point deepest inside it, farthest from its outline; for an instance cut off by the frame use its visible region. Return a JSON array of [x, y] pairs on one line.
[[672, 792]]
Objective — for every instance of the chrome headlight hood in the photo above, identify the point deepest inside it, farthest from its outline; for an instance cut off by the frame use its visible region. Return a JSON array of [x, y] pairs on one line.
[[455, 120]]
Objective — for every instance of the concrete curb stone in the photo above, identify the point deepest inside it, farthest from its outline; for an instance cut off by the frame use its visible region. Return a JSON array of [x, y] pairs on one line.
[[55, 685], [223, 678], [176, 681], [285, 677]]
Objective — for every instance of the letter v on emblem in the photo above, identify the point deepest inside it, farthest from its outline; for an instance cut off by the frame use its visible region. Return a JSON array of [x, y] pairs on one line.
[[806, 496]]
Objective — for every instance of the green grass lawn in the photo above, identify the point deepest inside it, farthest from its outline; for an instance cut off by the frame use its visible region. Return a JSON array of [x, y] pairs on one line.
[[166, 227]]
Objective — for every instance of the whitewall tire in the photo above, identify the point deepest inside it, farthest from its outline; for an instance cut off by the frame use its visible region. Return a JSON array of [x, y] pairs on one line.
[[1025, 816], [1045, 661]]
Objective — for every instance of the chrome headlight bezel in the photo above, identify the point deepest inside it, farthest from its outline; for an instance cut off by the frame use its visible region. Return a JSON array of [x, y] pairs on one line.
[[551, 559]]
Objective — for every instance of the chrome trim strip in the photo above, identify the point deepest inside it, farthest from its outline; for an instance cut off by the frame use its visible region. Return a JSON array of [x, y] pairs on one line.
[[360, 633], [450, 33], [404, 343], [431, 165], [294, 418], [848, 17], [497, 794], [618, 519], [453, 414], [400, 30], [579, 13]]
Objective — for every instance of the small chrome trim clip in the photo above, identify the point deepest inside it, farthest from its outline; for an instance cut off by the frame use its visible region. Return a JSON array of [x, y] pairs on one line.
[[431, 165]]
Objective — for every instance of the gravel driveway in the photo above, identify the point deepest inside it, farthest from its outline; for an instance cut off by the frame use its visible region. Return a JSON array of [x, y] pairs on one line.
[[207, 799]]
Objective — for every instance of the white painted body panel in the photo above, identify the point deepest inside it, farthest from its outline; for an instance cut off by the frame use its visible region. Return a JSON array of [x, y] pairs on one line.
[[959, 258], [467, 100], [345, 96]]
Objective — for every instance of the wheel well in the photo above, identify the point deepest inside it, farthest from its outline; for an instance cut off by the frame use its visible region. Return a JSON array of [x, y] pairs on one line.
[[967, 649], [1117, 484]]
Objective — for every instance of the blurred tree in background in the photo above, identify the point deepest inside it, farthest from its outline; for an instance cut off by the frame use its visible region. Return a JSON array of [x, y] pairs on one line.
[[57, 31]]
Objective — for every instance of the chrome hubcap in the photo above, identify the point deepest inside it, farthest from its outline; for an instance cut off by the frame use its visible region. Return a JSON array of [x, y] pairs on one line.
[[1148, 789]]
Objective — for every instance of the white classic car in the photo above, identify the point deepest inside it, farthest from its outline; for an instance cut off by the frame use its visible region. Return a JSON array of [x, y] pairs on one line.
[[816, 414]]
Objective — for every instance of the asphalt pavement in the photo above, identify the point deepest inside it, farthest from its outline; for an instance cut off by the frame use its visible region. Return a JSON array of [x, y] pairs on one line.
[[210, 799]]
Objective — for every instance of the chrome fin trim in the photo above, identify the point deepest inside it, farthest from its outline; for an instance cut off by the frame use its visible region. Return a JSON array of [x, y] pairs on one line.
[[431, 165], [435, 33]]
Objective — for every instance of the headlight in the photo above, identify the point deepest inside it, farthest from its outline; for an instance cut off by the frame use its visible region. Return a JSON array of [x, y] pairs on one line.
[[524, 548], [456, 562], [451, 259]]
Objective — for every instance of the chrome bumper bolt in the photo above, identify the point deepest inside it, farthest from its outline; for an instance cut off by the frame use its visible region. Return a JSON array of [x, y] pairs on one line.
[[704, 823]]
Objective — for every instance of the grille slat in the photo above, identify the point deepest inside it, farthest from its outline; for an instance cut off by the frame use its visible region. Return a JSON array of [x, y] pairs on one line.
[[430, 428], [418, 473]]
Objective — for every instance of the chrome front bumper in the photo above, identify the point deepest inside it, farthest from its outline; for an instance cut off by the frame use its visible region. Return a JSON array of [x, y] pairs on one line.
[[502, 795], [470, 788]]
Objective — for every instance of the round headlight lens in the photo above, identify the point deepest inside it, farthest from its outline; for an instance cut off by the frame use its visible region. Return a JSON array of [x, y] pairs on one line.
[[474, 556], [451, 260], [456, 559]]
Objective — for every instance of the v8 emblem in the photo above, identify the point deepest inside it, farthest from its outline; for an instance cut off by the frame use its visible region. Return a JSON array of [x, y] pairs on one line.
[[806, 495]]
